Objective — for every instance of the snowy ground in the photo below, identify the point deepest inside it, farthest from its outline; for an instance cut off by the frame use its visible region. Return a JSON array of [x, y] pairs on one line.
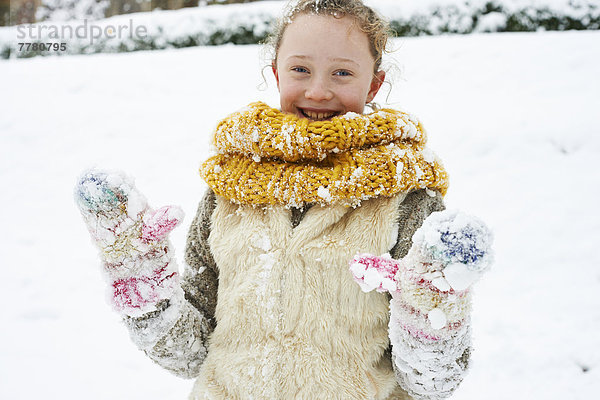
[[514, 116]]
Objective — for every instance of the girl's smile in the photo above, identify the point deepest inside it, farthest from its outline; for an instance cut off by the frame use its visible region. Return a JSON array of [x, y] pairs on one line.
[[317, 114], [324, 68]]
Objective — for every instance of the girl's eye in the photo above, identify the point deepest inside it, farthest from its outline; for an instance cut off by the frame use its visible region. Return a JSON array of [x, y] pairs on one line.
[[299, 69], [343, 72]]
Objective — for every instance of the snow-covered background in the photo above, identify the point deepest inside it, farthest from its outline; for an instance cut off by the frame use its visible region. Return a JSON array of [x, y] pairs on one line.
[[514, 117], [250, 23]]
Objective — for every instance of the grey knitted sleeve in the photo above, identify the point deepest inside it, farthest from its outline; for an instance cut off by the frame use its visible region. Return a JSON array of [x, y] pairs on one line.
[[201, 276], [426, 367], [175, 335], [412, 212]]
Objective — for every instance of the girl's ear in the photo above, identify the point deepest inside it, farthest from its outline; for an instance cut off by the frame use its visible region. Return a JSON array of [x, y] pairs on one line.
[[376, 83], [274, 69]]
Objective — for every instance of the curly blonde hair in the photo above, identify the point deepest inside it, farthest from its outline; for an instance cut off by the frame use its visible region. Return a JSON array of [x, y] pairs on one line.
[[368, 21]]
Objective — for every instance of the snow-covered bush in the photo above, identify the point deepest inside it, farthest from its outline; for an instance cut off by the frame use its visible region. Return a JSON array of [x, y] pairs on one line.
[[250, 23], [438, 17], [64, 10]]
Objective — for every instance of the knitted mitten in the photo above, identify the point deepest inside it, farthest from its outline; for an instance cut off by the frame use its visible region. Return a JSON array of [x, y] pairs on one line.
[[132, 238], [430, 307]]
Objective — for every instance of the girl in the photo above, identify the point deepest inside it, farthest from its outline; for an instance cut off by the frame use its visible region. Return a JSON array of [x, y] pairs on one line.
[[266, 307]]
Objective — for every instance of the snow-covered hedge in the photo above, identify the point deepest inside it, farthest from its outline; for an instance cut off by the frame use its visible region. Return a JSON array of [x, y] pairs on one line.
[[434, 17], [250, 23]]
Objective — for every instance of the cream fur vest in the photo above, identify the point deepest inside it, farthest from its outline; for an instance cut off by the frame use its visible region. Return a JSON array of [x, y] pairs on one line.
[[291, 322]]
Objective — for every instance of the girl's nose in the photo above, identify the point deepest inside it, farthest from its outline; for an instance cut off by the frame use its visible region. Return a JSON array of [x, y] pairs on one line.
[[318, 91]]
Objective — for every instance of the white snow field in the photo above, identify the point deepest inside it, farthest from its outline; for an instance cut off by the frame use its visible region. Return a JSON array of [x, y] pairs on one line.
[[515, 117]]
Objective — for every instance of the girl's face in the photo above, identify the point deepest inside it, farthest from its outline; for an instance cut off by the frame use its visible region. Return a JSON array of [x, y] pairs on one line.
[[325, 68]]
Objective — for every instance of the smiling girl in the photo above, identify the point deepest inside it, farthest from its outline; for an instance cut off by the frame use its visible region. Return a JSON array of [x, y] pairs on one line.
[[338, 76], [267, 307]]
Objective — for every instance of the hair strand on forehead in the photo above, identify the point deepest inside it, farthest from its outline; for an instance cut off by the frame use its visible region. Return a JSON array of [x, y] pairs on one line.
[[368, 21]]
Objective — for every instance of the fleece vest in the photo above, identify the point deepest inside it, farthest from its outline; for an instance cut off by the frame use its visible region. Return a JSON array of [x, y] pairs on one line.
[[291, 322]]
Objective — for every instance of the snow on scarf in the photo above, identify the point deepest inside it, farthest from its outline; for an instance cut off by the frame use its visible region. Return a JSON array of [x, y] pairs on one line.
[[265, 156]]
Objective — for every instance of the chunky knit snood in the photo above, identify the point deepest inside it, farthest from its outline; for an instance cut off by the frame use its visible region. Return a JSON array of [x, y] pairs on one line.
[[267, 157]]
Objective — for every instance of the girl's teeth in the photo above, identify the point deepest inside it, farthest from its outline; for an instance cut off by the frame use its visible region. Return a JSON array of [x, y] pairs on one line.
[[313, 115]]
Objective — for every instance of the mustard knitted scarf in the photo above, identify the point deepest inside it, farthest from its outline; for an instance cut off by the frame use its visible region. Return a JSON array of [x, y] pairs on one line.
[[266, 157]]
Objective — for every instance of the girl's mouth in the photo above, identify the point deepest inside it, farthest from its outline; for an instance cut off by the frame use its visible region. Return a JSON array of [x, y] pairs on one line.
[[318, 115]]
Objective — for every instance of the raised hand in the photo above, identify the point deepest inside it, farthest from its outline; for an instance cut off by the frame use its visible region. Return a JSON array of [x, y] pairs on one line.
[[450, 252], [429, 325], [132, 239]]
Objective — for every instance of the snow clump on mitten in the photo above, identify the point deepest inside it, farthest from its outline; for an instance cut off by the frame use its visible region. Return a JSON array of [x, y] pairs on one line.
[[108, 193], [374, 273], [460, 242]]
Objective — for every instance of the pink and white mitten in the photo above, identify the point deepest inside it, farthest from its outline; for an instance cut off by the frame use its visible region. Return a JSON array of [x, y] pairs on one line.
[[132, 239], [430, 287]]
